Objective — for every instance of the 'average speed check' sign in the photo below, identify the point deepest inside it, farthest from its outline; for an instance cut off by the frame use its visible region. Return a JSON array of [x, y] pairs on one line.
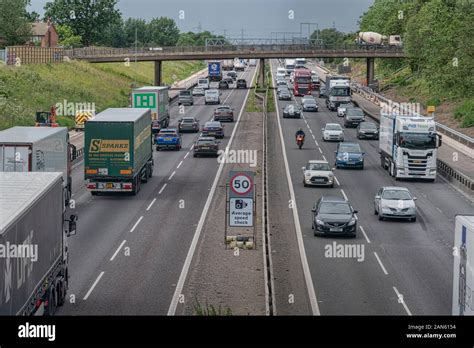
[[241, 196]]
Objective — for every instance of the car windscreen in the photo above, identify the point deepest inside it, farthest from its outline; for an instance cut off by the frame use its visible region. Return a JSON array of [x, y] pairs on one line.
[[204, 81], [349, 148], [188, 120], [310, 102], [211, 93], [368, 126], [396, 195], [185, 93], [333, 127], [334, 208], [166, 134], [205, 142], [318, 166], [354, 112], [213, 124]]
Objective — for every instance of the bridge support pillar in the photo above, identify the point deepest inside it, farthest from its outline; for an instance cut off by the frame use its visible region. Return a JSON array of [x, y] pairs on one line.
[[157, 79], [261, 73], [370, 70]]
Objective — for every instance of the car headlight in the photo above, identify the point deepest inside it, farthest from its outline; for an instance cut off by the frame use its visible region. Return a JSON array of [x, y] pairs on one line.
[[361, 158], [352, 222], [361, 131], [307, 174], [319, 222], [385, 210]]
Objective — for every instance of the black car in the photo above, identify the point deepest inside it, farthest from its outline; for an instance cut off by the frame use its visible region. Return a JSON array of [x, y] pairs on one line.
[[310, 104], [292, 110], [241, 83], [223, 84], [334, 215], [232, 74], [353, 116], [206, 146], [322, 92], [367, 130], [284, 94]]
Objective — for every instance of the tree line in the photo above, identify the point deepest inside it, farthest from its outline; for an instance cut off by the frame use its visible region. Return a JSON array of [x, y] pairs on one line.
[[92, 22]]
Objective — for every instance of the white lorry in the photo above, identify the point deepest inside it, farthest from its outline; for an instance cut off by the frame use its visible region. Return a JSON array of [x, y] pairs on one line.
[[290, 65], [409, 145], [33, 243], [372, 39], [463, 272], [338, 92]]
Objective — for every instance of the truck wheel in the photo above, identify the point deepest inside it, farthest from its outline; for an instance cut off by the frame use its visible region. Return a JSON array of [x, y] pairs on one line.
[[150, 172], [144, 178], [94, 193], [61, 291], [52, 301], [157, 148]]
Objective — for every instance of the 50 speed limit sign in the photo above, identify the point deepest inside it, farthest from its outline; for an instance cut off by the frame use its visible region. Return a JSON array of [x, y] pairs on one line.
[[241, 184]]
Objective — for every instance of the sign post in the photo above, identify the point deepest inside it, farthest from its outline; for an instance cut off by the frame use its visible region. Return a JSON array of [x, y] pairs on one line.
[[241, 203]]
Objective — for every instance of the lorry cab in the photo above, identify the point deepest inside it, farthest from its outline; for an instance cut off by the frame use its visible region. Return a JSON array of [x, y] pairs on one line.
[[203, 83]]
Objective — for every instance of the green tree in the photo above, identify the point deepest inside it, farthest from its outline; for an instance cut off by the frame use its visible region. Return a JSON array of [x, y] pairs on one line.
[[67, 37], [186, 39], [86, 18], [140, 25], [162, 31], [14, 26]]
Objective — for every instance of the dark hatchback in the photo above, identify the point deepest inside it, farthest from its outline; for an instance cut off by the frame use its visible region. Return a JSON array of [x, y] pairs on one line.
[[208, 146], [334, 216], [367, 130], [213, 129], [223, 84], [241, 83]]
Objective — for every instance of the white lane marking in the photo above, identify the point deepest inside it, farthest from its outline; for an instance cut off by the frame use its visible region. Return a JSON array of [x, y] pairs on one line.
[[192, 147], [186, 155], [136, 224], [337, 181], [324, 158], [152, 202], [317, 143], [162, 188], [400, 297], [172, 174], [313, 136], [93, 285], [192, 248], [117, 251], [179, 165], [307, 125], [320, 150], [380, 263], [299, 234], [311, 131], [365, 235], [344, 194]]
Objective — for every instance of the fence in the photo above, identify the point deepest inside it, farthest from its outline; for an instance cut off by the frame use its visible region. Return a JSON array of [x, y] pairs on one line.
[[3, 55], [19, 55]]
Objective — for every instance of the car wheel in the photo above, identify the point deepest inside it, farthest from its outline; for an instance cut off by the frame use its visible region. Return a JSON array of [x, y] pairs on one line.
[[332, 185], [305, 184], [375, 211], [380, 217], [195, 155], [413, 219], [157, 148]]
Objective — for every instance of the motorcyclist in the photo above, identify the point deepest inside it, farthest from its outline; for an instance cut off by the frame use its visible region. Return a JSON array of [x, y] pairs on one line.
[[299, 132]]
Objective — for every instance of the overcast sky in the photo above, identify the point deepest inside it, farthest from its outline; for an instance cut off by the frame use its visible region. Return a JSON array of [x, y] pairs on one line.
[[258, 18]]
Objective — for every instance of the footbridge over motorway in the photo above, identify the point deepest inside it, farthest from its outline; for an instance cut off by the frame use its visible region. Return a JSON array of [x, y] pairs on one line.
[[254, 49]]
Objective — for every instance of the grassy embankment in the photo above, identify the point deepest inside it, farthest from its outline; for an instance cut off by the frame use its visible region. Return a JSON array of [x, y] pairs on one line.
[[30, 88]]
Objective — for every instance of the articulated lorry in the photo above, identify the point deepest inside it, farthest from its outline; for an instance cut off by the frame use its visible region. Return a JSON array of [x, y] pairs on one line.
[[33, 243], [408, 146], [214, 70], [155, 98], [338, 91], [118, 153], [463, 272], [228, 64], [38, 149]]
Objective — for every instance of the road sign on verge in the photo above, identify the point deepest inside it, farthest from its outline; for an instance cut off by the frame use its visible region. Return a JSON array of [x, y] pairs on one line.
[[241, 212], [241, 184]]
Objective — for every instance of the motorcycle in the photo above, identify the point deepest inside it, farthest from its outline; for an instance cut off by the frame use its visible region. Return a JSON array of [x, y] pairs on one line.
[[300, 141]]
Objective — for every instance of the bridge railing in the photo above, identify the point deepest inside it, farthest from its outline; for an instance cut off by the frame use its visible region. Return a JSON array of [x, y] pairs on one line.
[[91, 52]]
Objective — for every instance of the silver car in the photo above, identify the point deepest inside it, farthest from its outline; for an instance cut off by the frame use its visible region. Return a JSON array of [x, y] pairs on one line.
[[333, 132], [395, 202]]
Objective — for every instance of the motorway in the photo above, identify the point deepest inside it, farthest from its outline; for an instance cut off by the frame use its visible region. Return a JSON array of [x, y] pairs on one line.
[[129, 251], [407, 266]]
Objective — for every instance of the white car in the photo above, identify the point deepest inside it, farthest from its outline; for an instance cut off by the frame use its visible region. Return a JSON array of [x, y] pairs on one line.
[[203, 83], [333, 132], [212, 96], [318, 173], [341, 109], [280, 76], [395, 202], [292, 77], [198, 91]]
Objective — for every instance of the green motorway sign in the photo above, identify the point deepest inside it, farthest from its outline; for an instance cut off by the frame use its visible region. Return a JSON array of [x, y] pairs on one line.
[[144, 100]]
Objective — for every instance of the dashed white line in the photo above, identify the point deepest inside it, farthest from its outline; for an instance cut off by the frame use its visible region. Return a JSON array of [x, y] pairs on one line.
[[172, 174], [337, 181], [380, 263], [344, 194], [311, 131], [365, 235], [117, 251], [402, 300], [313, 136], [136, 224], [179, 165], [162, 188], [186, 154], [152, 202], [324, 158], [317, 142], [320, 150], [192, 147], [93, 286]]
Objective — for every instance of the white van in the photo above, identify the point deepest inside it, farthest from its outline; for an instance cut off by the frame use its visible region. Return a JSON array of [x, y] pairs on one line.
[[212, 96], [281, 73], [203, 83]]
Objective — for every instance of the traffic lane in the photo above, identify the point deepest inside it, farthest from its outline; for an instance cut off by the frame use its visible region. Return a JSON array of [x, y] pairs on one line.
[[417, 254], [197, 197], [368, 292]]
